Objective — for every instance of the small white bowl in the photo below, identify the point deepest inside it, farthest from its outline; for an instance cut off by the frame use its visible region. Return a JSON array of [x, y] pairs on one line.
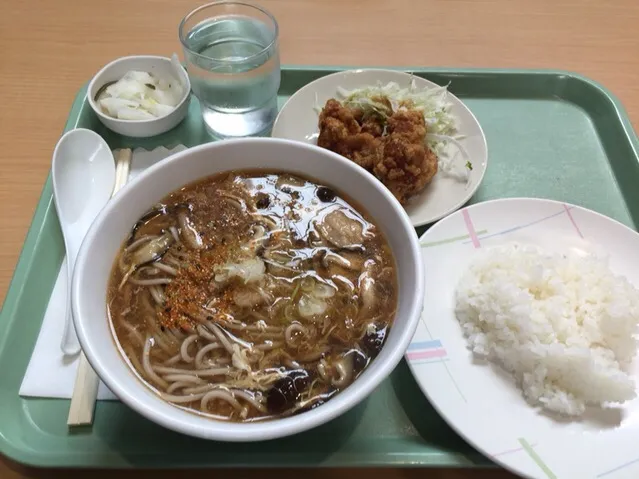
[[100, 246], [139, 128]]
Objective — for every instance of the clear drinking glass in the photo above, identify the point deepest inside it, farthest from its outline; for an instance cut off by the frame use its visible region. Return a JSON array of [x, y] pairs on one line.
[[232, 59]]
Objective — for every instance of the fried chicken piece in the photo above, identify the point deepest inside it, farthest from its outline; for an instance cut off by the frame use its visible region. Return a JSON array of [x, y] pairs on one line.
[[332, 135], [406, 168], [407, 165], [334, 109], [409, 124], [373, 125], [336, 123], [364, 149], [399, 158], [340, 132]]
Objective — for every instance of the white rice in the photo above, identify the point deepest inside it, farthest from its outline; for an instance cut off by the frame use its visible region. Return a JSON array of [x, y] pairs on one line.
[[563, 325]]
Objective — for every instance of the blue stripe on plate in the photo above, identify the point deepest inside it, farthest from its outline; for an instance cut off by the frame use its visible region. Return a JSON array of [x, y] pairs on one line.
[[435, 343]]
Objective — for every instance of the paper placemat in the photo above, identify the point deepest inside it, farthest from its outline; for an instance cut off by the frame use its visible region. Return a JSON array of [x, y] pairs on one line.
[[51, 374]]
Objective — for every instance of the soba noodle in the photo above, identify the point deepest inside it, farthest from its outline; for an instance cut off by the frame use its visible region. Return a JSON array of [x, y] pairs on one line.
[[252, 295]]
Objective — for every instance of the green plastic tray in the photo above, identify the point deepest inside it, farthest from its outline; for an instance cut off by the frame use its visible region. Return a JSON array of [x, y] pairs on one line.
[[550, 134]]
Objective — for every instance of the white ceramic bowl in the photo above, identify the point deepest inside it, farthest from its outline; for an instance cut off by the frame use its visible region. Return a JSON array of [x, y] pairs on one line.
[[139, 128], [103, 240]]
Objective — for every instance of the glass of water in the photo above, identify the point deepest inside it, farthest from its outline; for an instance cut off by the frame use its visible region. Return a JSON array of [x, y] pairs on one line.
[[232, 59]]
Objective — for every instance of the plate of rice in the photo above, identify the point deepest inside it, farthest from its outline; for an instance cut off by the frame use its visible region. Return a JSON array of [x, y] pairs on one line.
[[527, 343], [421, 141]]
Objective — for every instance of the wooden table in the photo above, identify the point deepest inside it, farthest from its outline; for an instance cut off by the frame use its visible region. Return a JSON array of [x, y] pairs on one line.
[[51, 47]]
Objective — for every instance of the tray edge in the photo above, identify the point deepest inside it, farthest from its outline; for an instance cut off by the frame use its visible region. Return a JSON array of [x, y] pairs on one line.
[[24, 262]]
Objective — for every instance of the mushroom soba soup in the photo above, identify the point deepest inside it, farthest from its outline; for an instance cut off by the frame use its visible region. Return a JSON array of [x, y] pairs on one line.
[[252, 295]]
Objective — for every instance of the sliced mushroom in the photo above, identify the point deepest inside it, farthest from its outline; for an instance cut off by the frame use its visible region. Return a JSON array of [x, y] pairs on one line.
[[262, 200], [248, 297], [259, 232], [374, 339], [344, 281], [236, 201], [142, 221], [279, 239], [151, 251], [367, 287], [191, 236], [281, 263], [289, 180], [315, 240], [335, 259], [345, 372], [259, 236], [267, 221], [340, 230], [350, 261], [287, 390]]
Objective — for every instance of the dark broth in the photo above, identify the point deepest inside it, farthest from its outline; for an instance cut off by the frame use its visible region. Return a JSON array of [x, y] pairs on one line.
[[251, 295]]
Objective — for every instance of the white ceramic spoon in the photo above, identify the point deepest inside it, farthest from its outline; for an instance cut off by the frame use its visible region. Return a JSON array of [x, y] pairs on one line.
[[83, 173]]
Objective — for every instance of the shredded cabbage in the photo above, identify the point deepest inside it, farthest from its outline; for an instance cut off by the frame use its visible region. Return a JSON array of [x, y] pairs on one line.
[[442, 125]]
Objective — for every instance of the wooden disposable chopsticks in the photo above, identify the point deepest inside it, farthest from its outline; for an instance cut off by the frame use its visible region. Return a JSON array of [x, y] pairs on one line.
[[85, 390]]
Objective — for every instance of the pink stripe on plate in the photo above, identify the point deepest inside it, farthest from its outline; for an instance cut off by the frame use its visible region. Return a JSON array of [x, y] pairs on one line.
[[471, 229], [437, 353]]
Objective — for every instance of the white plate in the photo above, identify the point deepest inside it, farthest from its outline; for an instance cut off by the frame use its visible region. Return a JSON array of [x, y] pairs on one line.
[[486, 408], [298, 121]]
